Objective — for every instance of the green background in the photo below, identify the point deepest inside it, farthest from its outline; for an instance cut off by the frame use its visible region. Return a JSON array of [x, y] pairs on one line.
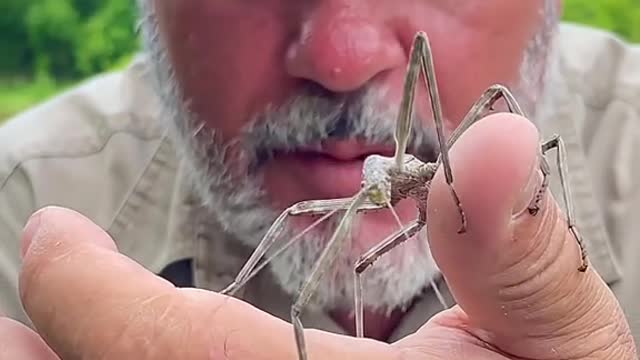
[[49, 45]]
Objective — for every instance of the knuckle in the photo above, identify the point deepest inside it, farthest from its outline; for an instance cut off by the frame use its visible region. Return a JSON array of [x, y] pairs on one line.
[[610, 337], [534, 268], [597, 340], [541, 281]]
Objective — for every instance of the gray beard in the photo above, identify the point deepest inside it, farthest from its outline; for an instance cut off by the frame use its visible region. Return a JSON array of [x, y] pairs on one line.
[[235, 195]]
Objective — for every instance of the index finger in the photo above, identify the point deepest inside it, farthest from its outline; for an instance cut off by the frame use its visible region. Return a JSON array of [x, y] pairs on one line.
[[89, 301]]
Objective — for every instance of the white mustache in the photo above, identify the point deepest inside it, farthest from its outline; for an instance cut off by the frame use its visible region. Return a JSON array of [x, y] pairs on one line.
[[316, 116]]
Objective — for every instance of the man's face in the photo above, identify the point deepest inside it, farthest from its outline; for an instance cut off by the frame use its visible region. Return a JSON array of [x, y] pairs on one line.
[[278, 101]]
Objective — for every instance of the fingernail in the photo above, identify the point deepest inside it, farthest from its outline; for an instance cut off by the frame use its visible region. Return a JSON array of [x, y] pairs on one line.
[[530, 190], [29, 232]]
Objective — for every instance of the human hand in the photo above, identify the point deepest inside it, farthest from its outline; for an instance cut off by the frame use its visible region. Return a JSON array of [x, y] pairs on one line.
[[515, 276], [516, 281]]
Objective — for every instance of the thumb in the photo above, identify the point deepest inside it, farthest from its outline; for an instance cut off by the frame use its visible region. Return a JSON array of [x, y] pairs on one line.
[[515, 275]]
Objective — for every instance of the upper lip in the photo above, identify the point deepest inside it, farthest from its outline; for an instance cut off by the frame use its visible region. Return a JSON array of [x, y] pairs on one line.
[[348, 150]]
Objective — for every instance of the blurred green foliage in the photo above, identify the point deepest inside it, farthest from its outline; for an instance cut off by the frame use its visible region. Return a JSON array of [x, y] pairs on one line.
[[64, 39], [619, 16], [49, 44]]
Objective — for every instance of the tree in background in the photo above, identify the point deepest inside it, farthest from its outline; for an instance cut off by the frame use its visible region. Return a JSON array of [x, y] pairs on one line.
[[65, 39], [109, 38], [17, 55], [52, 29]]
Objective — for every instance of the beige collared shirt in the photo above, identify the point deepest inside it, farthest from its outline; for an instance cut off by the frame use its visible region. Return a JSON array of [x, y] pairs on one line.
[[100, 149]]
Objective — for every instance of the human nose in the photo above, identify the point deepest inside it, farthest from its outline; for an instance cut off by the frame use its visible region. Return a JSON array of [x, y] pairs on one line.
[[341, 47]]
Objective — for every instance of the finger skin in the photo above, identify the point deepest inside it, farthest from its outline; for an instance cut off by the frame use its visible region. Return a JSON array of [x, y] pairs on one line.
[[88, 301], [516, 276], [19, 342]]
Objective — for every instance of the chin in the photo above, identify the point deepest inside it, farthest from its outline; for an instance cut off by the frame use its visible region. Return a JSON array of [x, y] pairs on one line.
[[391, 283]]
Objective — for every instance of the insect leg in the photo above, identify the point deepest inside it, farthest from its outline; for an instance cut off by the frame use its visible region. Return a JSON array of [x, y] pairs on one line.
[[324, 263], [317, 207], [557, 143], [428, 70], [405, 114], [311, 207], [368, 258], [486, 101]]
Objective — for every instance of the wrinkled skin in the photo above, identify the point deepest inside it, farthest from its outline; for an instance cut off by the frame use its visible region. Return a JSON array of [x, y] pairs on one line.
[[513, 276]]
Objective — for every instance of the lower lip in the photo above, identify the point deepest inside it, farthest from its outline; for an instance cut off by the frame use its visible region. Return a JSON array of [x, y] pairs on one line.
[[325, 176]]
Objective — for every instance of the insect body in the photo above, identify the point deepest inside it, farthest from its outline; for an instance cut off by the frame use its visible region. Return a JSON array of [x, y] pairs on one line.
[[386, 181]]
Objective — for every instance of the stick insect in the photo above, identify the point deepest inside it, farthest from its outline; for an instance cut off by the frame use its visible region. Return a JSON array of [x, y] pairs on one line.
[[387, 180]]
